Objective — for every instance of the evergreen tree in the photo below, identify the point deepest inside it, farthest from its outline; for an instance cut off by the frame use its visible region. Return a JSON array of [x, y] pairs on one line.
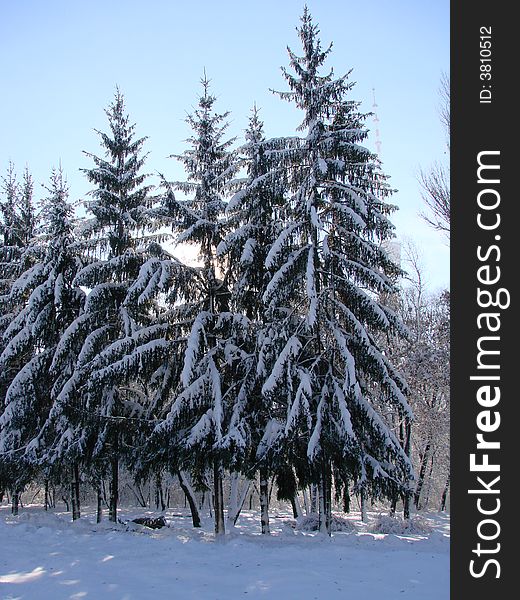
[[211, 356], [253, 222], [9, 256], [119, 237], [330, 269], [27, 219], [18, 251], [17, 226], [8, 225], [48, 303]]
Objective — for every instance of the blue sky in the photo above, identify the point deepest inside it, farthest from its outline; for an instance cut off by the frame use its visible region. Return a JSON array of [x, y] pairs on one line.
[[61, 60]]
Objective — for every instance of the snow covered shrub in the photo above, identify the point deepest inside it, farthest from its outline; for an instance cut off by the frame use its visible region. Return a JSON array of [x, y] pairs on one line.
[[312, 523], [399, 526]]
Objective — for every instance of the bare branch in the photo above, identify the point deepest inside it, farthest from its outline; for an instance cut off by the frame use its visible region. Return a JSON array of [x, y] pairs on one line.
[[444, 110], [436, 195], [435, 183]]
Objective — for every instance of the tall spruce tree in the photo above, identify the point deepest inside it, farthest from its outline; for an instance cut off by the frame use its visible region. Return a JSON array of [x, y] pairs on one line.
[[330, 269], [19, 250], [202, 405], [253, 223], [48, 302], [119, 237], [10, 252]]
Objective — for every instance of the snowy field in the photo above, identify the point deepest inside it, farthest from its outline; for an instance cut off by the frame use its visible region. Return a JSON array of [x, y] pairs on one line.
[[46, 557]]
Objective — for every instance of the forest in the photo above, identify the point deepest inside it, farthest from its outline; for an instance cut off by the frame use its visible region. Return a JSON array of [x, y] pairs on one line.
[[295, 361]]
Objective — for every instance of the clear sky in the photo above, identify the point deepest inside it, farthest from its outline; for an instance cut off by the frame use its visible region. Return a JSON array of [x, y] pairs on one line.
[[60, 61]]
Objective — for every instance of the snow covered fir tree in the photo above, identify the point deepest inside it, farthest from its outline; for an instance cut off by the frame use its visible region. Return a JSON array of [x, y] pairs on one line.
[[119, 237], [45, 302], [283, 367], [202, 398], [330, 270]]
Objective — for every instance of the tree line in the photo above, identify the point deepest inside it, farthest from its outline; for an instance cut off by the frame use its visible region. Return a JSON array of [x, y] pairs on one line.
[[285, 353]]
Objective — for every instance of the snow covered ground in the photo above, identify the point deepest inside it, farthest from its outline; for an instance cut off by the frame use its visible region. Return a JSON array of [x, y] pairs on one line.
[[43, 556]]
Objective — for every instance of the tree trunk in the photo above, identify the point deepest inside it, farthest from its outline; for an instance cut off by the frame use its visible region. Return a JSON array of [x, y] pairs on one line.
[[233, 499], [15, 502], [264, 500], [346, 500], [325, 499], [314, 498], [161, 498], [46, 495], [114, 488], [407, 496], [99, 509], [190, 497], [406, 504], [422, 474], [159, 494], [218, 502], [322, 520], [393, 506], [74, 493], [271, 488], [328, 496], [445, 494], [363, 506], [306, 501], [429, 483], [36, 493], [104, 491], [156, 497], [209, 500], [296, 508]]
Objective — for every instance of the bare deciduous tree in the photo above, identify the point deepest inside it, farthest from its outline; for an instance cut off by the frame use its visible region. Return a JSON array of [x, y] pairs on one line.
[[435, 182]]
